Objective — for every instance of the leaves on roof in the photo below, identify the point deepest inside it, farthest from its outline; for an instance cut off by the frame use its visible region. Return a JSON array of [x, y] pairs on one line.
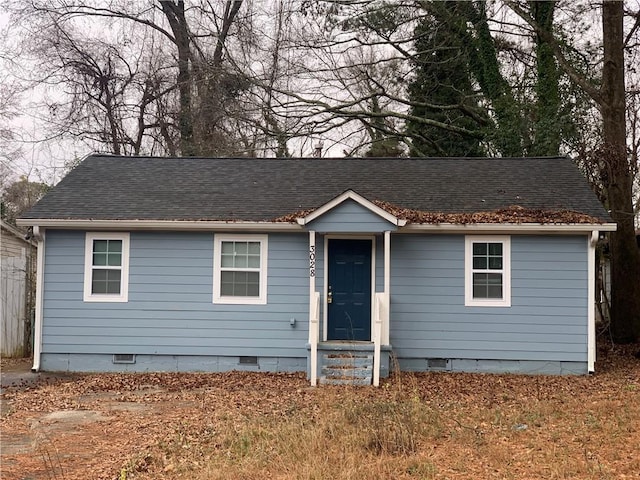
[[292, 217], [511, 214]]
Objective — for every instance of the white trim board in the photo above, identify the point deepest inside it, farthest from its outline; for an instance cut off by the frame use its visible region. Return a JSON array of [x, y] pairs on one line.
[[123, 296], [89, 224], [218, 298], [509, 228], [469, 300], [221, 226]]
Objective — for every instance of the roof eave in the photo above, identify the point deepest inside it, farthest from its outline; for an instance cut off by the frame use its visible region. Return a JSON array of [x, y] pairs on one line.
[[561, 228], [88, 224]]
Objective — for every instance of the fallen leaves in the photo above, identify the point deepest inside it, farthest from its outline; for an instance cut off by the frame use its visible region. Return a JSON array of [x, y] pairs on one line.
[[169, 425]]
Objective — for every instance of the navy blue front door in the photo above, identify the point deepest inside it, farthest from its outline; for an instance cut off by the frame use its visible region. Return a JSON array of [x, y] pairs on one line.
[[349, 286]]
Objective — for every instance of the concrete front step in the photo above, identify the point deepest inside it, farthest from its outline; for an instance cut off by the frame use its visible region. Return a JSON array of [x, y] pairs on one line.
[[357, 382], [346, 368], [347, 361], [347, 372]]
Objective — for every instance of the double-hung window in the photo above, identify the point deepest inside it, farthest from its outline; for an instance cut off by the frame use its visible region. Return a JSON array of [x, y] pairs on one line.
[[106, 267], [488, 271], [240, 269]]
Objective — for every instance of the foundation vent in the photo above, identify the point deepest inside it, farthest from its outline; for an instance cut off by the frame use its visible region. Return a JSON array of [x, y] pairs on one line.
[[124, 358], [248, 360], [438, 363]]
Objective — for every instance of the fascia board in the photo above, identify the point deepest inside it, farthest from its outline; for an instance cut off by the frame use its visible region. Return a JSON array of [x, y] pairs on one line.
[[564, 228], [83, 224]]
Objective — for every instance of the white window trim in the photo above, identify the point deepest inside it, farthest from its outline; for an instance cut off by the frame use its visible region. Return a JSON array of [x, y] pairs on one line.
[[88, 267], [217, 249], [469, 301]]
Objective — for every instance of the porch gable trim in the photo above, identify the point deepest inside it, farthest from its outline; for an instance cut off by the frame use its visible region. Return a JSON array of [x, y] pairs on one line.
[[351, 195]]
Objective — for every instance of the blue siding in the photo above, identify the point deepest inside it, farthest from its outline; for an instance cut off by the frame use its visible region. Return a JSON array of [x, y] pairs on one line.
[[547, 320], [350, 217], [170, 316], [170, 309]]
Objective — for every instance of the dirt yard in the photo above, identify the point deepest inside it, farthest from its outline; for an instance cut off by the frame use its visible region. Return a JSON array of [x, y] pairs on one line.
[[257, 426]]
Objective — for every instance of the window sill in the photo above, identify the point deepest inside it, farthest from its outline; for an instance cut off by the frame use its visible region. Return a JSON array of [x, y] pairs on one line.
[[488, 303], [106, 299], [239, 301]]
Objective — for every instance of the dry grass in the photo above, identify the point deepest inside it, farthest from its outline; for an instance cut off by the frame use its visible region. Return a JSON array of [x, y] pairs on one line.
[[426, 426]]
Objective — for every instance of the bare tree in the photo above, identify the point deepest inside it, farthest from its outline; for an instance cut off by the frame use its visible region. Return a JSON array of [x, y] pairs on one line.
[[150, 75], [613, 163]]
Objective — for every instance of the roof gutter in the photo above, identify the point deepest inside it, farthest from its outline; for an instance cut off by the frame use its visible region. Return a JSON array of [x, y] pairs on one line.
[[496, 228], [218, 226], [222, 226]]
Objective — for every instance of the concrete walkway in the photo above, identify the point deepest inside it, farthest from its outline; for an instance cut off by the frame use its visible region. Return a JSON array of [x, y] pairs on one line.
[[17, 374]]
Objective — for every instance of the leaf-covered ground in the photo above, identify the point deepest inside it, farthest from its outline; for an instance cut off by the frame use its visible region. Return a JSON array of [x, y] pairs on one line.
[[256, 426]]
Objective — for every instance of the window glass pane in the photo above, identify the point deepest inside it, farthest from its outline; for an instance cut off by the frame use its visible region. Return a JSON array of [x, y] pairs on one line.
[[253, 284], [254, 248], [227, 247], [241, 248], [495, 249], [226, 260], [100, 245], [494, 291], [240, 284], [226, 283], [100, 259], [114, 259], [114, 246], [487, 285], [479, 248], [105, 282], [479, 291], [253, 290], [240, 261], [100, 275], [254, 261], [107, 252], [494, 278], [479, 262], [495, 263]]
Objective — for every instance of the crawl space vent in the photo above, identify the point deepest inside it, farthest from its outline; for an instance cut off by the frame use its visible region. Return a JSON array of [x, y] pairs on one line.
[[124, 358], [248, 360], [437, 363]]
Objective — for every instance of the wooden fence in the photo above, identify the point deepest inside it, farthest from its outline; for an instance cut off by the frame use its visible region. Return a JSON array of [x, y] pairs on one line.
[[13, 305]]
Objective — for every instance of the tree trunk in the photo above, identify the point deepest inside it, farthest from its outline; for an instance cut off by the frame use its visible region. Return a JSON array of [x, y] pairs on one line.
[[546, 137], [175, 16], [625, 256]]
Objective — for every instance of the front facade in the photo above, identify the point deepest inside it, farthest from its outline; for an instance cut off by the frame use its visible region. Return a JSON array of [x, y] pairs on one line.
[[349, 278]]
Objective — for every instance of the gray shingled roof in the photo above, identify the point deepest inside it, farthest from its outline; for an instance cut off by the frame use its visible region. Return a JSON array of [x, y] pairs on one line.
[[143, 188]]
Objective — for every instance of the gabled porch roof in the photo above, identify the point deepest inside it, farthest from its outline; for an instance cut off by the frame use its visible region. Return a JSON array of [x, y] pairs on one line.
[[359, 199]]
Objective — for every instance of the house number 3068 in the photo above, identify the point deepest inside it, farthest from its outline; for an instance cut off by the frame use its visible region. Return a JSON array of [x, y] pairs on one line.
[[312, 261]]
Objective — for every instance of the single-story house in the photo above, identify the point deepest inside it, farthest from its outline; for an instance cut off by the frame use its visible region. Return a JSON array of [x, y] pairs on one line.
[[215, 264]]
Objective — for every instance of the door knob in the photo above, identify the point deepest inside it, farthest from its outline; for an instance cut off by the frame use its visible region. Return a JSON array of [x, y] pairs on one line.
[[329, 296]]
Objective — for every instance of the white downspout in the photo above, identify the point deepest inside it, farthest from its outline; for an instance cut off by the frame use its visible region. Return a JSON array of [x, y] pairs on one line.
[[39, 235], [592, 240], [387, 285]]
